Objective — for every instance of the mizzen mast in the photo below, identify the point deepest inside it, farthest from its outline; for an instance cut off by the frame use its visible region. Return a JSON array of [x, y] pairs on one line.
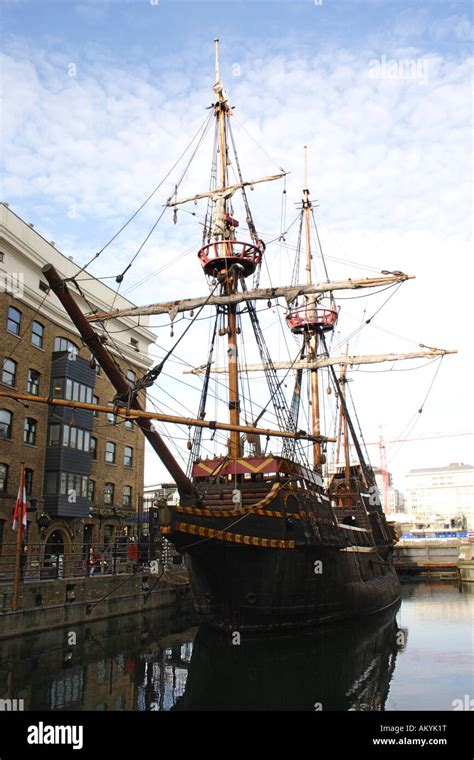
[[310, 319], [312, 336]]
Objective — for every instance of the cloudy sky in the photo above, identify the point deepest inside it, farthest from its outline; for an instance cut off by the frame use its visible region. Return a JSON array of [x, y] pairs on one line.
[[101, 98]]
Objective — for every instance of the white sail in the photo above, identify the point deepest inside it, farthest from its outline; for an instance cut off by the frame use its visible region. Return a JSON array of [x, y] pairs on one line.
[[289, 293], [224, 193], [328, 361]]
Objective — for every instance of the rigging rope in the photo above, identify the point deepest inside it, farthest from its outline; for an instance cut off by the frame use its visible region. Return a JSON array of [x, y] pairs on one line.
[[96, 255]]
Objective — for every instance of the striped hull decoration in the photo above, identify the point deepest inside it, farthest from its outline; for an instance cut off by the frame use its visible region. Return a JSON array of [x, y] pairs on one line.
[[235, 538], [234, 512]]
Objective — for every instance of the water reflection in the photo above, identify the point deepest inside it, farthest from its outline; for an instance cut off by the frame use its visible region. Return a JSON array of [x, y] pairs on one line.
[[161, 661], [134, 662], [347, 667]]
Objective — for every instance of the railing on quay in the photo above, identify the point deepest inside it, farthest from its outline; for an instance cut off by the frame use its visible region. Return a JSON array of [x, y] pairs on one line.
[[40, 562]]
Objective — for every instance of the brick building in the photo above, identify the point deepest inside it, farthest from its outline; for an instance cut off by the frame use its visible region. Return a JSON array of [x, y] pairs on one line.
[[84, 472]]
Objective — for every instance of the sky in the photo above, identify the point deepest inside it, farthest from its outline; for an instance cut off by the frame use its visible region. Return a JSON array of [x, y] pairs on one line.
[[101, 98]]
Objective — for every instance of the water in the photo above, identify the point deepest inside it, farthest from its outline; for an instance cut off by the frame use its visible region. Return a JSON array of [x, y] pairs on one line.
[[419, 656]]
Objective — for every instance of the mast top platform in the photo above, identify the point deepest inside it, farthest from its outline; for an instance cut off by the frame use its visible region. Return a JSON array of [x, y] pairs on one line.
[[311, 318], [218, 257]]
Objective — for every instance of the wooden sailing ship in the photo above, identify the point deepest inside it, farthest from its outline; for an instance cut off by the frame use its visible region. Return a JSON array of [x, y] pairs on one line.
[[270, 542]]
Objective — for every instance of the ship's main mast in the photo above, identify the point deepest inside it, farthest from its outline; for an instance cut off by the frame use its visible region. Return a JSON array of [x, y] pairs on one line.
[[224, 231]]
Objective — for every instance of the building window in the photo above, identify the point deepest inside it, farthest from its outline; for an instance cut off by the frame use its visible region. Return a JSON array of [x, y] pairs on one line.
[[111, 418], [43, 286], [110, 449], [3, 478], [54, 435], [9, 372], [95, 400], [51, 483], [37, 333], [131, 377], [108, 493], [13, 320], [64, 344], [127, 456], [97, 368], [127, 496], [5, 423], [93, 446], [134, 343], [57, 387], [76, 438], [66, 483], [71, 390], [91, 490], [128, 424], [33, 382], [29, 431], [28, 481]]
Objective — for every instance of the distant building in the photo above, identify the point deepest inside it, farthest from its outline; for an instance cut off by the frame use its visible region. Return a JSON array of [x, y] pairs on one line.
[[84, 472], [395, 499], [446, 492], [161, 492]]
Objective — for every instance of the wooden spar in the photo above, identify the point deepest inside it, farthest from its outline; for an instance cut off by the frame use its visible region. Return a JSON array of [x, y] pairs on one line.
[[290, 293], [225, 191], [312, 339], [111, 369], [328, 361], [142, 416]]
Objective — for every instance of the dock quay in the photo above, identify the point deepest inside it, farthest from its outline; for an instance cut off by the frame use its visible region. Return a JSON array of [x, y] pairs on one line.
[[466, 562], [67, 592], [428, 557]]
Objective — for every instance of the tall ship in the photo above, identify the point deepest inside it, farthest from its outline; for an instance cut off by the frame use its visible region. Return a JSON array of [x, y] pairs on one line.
[[279, 521]]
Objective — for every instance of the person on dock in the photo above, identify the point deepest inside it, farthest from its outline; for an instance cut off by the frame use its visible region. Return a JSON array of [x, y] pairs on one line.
[[93, 561], [132, 554]]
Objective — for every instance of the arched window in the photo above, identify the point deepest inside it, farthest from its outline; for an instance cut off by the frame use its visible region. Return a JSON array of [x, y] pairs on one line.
[[29, 431], [13, 320], [5, 423], [108, 493], [128, 456], [110, 449], [33, 382], [3, 477], [64, 344], [28, 481], [37, 333], [127, 496], [9, 372]]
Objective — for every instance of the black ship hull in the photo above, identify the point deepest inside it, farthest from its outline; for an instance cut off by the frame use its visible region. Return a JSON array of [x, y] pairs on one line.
[[240, 588], [284, 558]]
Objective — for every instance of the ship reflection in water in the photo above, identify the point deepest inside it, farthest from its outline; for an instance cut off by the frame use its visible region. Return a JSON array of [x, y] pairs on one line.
[[416, 657], [348, 667]]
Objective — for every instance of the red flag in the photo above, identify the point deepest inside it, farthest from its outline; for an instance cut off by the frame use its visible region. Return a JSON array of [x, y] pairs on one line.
[[20, 507]]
